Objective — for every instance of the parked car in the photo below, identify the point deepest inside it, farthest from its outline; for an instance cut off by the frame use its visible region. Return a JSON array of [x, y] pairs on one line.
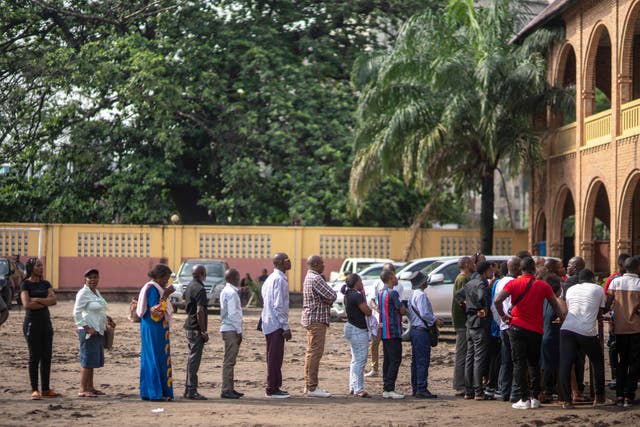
[[6, 288], [370, 276], [442, 274], [214, 283], [354, 265]]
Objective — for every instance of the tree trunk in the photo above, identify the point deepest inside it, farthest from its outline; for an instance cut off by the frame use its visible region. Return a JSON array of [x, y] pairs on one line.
[[486, 214]]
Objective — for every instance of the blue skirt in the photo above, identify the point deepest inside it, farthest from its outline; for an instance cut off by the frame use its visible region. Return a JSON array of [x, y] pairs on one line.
[[91, 350]]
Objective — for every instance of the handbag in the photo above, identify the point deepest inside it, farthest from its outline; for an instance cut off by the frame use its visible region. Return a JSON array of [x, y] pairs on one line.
[[108, 337]]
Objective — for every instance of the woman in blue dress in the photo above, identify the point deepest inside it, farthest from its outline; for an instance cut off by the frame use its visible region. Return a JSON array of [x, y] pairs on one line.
[[156, 382]]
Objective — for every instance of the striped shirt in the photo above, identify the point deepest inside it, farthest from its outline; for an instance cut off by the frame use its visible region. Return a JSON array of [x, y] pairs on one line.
[[390, 318], [317, 298]]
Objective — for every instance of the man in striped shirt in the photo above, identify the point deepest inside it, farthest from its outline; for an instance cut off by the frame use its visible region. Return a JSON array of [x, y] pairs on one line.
[[317, 298], [391, 310]]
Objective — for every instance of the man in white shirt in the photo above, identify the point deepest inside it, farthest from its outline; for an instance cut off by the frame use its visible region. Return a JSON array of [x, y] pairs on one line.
[[275, 323], [579, 332], [505, 376], [231, 329]]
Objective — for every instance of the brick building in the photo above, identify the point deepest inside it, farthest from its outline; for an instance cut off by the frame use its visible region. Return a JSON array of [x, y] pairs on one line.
[[586, 198]]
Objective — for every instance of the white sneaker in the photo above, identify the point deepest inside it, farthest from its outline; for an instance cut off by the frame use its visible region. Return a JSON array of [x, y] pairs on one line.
[[371, 373], [535, 403], [522, 404], [318, 392], [392, 395]]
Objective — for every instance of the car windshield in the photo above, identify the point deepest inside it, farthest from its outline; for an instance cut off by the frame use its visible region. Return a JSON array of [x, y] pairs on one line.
[[4, 267], [214, 269], [371, 273], [362, 265], [432, 267]]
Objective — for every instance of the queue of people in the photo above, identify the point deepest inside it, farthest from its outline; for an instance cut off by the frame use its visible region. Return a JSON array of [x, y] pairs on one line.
[[523, 330]]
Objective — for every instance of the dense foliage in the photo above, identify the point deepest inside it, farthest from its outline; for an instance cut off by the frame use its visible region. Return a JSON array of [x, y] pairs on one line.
[[234, 111]]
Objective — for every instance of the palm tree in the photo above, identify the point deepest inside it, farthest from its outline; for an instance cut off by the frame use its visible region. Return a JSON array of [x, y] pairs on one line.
[[449, 102]]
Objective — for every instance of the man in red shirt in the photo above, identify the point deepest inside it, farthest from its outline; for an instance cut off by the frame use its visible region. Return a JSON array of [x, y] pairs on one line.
[[526, 329]]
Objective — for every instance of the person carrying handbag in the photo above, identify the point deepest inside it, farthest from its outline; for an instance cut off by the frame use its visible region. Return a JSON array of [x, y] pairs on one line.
[[422, 320]]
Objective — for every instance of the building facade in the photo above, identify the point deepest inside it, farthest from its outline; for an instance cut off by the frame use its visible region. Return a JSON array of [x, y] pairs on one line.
[[586, 199]]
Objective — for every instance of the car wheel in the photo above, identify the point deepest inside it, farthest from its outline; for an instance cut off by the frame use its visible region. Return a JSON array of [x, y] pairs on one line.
[[406, 328]]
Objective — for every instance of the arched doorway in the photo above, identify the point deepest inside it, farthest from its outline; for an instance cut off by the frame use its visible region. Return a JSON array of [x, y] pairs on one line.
[[597, 88], [629, 234], [563, 231], [566, 79], [596, 245], [540, 236], [630, 57]]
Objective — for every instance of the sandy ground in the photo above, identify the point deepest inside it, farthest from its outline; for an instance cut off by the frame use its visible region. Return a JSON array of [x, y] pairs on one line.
[[119, 379]]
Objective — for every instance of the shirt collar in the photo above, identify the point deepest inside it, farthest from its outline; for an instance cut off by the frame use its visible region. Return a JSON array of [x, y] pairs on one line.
[[234, 288]]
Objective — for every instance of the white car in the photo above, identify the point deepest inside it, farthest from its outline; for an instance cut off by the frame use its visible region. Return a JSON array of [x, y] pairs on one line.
[[354, 265]]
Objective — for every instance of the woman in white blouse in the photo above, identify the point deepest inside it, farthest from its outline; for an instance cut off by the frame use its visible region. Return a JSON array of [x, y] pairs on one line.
[[90, 315]]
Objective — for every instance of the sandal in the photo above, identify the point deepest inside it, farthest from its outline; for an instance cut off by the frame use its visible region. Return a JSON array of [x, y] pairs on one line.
[[363, 394], [37, 396], [87, 394], [97, 392], [50, 393]]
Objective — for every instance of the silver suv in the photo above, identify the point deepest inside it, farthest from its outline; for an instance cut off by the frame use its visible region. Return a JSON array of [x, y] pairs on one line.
[[214, 283]]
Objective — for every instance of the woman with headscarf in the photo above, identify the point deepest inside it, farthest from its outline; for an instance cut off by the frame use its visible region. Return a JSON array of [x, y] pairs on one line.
[[156, 382]]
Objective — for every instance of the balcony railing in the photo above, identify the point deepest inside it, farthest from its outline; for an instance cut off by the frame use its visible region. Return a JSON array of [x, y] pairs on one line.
[[565, 140], [631, 117], [597, 128]]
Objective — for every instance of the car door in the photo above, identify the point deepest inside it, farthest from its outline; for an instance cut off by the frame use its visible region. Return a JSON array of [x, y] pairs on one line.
[[441, 294]]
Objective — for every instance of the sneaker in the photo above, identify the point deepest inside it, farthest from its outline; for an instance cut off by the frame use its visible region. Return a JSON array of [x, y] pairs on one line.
[[392, 395], [371, 373], [522, 404], [36, 395], [535, 403], [277, 395], [318, 392], [628, 403]]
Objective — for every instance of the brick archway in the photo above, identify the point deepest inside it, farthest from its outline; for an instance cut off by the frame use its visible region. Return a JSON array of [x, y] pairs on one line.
[[590, 78], [629, 216], [563, 208], [626, 54], [540, 233], [564, 76], [596, 253]]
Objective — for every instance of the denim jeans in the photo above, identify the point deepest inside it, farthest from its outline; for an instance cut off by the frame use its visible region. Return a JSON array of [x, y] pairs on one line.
[[525, 352], [476, 363], [420, 357], [359, 340]]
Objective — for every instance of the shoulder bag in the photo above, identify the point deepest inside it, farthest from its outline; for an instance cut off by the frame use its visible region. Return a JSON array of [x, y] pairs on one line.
[[522, 294], [434, 332]]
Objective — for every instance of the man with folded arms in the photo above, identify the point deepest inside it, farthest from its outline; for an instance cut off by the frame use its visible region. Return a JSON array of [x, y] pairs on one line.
[[195, 297], [317, 298]]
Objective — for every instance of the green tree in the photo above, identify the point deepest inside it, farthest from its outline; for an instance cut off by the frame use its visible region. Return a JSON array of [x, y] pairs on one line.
[[451, 100]]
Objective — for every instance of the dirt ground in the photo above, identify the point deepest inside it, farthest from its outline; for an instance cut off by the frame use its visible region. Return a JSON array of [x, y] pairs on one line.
[[119, 379]]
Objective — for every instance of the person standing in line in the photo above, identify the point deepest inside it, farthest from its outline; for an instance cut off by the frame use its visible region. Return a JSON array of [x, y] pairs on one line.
[[375, 342], [231, 329], [550, 352], [37, 296], [584, 303], [505, 376], [275, 323], [4, 311], [391, 311], [474, 297], [195, 325], [611, 342], [90, 316], [422, 318], [356, 331], [575, 266], [156, 377], [459, 317], [526, 329], [317, 298], [624, 291]]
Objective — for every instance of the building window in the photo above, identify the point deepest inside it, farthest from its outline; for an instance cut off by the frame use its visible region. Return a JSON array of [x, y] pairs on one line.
[[516, 191], [516, 215]]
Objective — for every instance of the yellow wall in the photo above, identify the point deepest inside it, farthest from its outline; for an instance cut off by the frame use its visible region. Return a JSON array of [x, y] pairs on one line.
[[173, 243]]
